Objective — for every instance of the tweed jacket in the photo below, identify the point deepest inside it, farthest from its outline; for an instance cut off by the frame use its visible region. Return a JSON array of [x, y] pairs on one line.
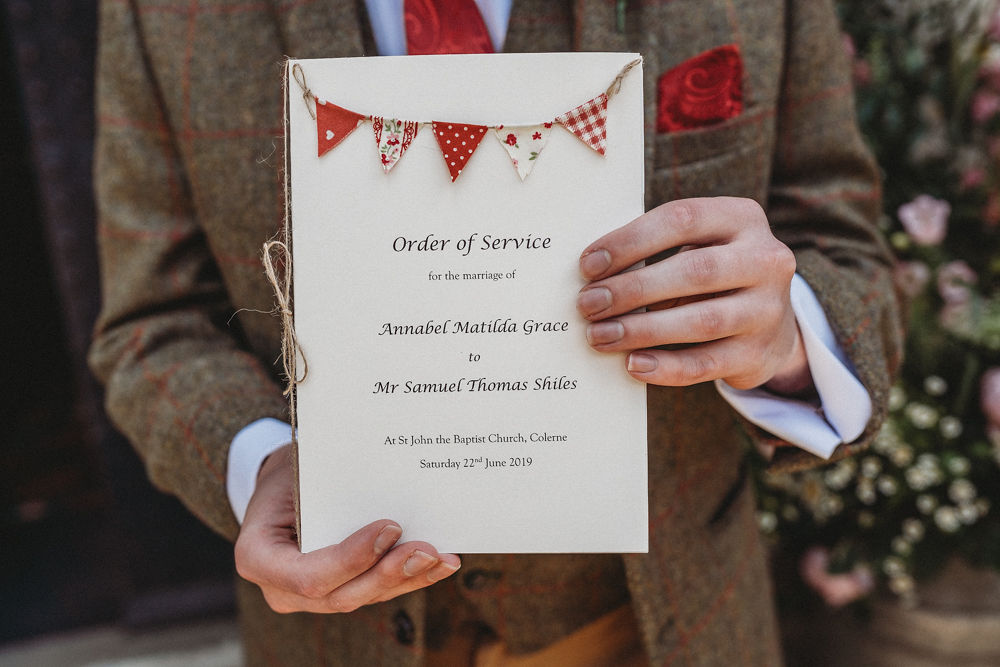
[[188, 185]]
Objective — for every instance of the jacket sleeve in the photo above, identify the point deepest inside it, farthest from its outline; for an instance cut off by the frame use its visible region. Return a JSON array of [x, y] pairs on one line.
[[180, 381], [824, 203]]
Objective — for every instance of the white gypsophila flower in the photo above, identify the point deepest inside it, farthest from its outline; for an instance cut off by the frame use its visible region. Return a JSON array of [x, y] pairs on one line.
[[866, 519], [831, 505], [866, 492], [767, 521], [968, 513], [919, 479], [926, 503], [959, 465], [983, 505], [962, 491], [921, 415], [887, 486], [838, 478], [790, 513], [886, 439], [897, 398], [901, 546], [893, 566], [927, 460], [951, 427], [947, 519], [935, 385], [870, 467], [901, 455], [913, 529], [901, 584]]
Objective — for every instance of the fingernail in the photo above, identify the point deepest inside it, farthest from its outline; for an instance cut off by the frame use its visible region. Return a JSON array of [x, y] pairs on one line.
[[595, 263], [442, 571], [419, 562], [641, 363], [386, 538], [594, 300], [603, 333]]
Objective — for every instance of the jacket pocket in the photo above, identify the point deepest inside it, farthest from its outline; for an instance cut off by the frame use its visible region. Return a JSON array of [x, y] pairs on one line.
[[729, 158]]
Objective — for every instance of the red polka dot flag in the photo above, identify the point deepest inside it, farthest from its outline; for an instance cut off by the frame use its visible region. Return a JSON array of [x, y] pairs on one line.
[[458, 141]]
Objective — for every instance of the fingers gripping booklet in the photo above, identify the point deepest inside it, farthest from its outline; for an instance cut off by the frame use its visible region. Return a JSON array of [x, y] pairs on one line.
[[438, 206]]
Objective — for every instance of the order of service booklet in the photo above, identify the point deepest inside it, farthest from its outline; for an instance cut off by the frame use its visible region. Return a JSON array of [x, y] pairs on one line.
[[438, 208]]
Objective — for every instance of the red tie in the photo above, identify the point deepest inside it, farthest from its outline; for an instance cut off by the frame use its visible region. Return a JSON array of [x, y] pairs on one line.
[[445, 26]]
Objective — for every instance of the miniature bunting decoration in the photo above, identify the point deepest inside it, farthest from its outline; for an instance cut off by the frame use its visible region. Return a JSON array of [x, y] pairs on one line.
[[523, 143], [333, 124], [589, 122], [457, 141], [393, 137]]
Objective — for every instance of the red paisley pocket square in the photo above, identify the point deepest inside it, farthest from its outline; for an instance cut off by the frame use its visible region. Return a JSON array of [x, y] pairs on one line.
[[702, 91]]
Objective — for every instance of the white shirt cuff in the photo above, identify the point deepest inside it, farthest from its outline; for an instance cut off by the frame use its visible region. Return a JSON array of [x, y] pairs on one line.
[[249, 448], [844, 406]]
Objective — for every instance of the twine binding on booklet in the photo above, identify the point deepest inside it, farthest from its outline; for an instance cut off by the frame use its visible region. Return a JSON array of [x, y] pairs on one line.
[[616, 85], [307, 95]]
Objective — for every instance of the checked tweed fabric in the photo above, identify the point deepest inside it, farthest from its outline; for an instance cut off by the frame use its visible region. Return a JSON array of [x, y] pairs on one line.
[[589, 122], [188, 181]]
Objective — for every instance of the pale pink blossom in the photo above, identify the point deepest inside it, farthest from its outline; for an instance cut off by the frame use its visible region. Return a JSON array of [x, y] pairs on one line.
[[993, 31], [989, 395], [955, 280], [991, 214], [985, 105], [911, 277], [848, 43], [925, 219], [862, 73], [973, 177], [957, 317], [835, 589]]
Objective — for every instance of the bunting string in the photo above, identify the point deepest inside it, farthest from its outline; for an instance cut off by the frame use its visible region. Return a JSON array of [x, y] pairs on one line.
[[459, 141]]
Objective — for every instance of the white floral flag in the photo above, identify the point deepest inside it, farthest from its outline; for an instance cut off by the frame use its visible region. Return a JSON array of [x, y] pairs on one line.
[[523, 143], [393, 137]]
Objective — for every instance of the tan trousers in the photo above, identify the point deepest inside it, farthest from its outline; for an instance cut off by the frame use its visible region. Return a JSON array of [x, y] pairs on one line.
[[613, 640]]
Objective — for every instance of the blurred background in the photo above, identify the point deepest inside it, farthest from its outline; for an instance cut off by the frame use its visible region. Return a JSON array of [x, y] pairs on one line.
[[889, 558], [84, 539]]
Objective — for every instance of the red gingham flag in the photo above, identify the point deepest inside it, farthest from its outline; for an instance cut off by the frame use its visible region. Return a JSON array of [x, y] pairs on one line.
[[589, 122]]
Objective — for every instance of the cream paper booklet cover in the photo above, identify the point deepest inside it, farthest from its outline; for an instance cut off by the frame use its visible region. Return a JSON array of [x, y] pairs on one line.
[[438, 207]]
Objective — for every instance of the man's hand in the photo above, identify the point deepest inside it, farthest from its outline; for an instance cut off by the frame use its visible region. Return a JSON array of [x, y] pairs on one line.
[[366, 567], [725, 296]]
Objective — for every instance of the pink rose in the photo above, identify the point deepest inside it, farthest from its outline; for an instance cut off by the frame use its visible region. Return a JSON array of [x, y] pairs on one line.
[[954, 280], [835, 589], [911, 277], [989, 395], [925, 219]]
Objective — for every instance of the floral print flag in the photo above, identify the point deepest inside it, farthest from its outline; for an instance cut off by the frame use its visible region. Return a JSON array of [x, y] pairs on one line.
[[393, 137], [523, 143]]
